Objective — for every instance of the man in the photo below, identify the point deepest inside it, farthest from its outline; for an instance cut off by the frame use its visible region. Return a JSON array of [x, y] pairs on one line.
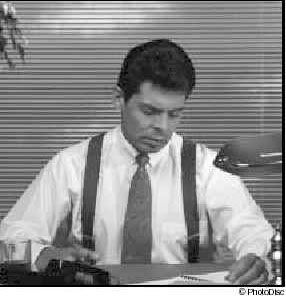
[[156, 79]]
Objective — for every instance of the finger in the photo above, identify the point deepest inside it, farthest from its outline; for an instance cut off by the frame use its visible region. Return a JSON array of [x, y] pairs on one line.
[[252, 273], [239, 267], [84, 254], [88, 254], [261, 280], [69, 254], [90, 257]]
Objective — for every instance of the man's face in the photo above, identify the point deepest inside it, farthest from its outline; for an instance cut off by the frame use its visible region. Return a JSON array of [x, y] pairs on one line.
[[150, 117]]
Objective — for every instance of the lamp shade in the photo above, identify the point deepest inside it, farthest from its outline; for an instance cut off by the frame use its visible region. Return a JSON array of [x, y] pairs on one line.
[[251, 155]]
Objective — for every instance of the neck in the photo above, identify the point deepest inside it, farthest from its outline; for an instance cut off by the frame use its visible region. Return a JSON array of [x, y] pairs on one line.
[[129, 142]]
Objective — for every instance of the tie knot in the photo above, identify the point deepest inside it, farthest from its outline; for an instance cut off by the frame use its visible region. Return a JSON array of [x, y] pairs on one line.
[[142, 159]]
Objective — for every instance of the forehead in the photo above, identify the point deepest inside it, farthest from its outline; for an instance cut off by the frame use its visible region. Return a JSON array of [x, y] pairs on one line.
[[158, 97]]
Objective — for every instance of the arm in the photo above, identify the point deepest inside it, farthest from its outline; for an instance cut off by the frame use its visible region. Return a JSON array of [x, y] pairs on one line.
[[73, 253], [239, 223], [40, 209]]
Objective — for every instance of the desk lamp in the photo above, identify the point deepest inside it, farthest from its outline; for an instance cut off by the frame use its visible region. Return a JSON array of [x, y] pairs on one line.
[[256, 156]]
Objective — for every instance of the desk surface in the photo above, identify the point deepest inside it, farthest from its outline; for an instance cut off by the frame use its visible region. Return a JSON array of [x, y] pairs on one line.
[[136, 273]]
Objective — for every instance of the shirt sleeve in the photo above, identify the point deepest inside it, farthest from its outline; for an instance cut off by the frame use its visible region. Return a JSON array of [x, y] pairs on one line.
[[40, 209], [237, 221]]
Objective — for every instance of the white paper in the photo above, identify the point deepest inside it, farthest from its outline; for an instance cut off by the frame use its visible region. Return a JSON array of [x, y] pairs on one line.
[[215, 277], [190, 279]]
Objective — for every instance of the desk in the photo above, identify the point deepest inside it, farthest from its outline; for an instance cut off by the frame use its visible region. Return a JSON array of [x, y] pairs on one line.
[[136, 273]]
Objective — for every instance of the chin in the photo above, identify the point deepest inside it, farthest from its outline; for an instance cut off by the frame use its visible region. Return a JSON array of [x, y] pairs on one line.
[[149, 149]]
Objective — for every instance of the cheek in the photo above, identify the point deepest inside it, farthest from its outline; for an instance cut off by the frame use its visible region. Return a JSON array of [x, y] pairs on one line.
[[173, 124], [140, 121], [136, 122]]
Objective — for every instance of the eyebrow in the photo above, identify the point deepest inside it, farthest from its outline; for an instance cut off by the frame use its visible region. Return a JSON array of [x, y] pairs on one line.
[[158, 109]]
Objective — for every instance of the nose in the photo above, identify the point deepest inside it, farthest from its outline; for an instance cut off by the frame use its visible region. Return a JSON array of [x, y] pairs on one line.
[[162, 122]]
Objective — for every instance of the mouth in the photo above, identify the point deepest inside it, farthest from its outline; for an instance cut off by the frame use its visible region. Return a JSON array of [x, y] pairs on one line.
[[154, 142]]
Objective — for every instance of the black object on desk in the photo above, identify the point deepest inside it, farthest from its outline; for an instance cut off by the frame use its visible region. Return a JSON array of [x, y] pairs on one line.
[[58, 273], [252, 155]]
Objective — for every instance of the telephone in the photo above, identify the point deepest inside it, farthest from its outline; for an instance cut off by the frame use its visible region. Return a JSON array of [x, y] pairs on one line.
[[57, 273]]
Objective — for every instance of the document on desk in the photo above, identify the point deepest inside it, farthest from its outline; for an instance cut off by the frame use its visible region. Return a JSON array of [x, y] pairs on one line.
[[212, 278]]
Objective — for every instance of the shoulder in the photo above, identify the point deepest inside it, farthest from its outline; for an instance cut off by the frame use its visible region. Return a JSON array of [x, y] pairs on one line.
[[78, 151], [204, 155], [218, 182], [75, 151], [69, 159], [206, 168]]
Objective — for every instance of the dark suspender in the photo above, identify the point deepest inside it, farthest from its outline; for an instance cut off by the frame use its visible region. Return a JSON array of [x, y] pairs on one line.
[[188, 162], [91, 175], [188, 171]]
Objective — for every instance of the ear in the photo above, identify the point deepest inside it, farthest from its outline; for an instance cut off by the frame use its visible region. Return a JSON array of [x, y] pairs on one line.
[[118, 98]]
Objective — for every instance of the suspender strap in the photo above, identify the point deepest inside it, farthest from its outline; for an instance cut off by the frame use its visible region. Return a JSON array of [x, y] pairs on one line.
[[61, 238], [188, 169], [188, 166], [91, 177]]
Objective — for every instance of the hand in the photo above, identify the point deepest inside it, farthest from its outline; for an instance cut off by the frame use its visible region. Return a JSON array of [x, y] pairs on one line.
[[249, 270], [73, 253]]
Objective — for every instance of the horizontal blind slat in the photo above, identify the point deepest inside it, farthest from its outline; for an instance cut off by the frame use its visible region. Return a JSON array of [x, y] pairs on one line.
[[62, 94]]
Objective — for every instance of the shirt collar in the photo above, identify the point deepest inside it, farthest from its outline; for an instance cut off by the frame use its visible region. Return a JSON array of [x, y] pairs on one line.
[[131, 152]]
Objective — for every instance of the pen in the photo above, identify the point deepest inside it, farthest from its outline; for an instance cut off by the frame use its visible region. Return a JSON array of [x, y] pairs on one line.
[[192, 278]]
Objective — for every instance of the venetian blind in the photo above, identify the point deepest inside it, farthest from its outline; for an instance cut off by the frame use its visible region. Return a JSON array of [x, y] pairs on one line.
[[63, 93]]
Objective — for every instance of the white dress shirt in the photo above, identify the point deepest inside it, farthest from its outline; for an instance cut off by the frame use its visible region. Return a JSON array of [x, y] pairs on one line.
[[236, 220]]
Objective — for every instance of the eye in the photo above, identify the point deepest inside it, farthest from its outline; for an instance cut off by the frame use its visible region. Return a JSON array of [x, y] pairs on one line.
[[149, 111], [175, 113]]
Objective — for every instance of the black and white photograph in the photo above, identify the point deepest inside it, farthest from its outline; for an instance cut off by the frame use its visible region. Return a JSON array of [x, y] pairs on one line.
[[141, 145]]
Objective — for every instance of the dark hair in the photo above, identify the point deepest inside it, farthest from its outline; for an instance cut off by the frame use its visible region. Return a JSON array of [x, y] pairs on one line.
[[162, 62]]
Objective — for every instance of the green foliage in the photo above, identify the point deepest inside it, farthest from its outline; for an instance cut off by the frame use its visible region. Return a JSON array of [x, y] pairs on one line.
[[10, 35]]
